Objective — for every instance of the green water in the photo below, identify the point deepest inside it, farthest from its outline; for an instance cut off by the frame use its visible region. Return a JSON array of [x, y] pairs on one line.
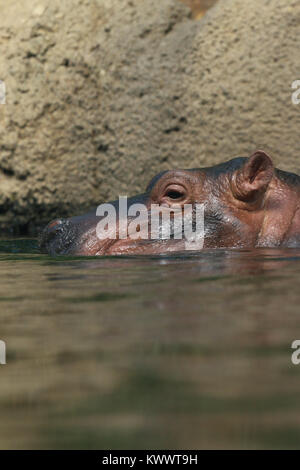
[[186, 351]]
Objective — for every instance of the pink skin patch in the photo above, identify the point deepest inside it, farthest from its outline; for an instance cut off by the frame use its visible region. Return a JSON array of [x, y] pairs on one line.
[[54, 223]]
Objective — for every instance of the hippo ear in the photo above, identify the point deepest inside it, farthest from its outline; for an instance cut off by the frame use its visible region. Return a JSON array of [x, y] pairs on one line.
[[252, 180]]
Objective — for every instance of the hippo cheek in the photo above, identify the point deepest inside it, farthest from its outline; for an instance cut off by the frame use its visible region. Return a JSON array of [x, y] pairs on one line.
[[226, 230]]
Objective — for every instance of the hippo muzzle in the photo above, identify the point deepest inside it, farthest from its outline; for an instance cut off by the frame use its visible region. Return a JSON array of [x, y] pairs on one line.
[[58, 237]]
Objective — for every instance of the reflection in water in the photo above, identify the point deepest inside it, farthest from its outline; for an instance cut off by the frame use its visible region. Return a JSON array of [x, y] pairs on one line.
[[181, 351]]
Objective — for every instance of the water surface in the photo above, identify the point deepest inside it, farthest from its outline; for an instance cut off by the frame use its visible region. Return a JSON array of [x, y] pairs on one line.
[[191, 350]]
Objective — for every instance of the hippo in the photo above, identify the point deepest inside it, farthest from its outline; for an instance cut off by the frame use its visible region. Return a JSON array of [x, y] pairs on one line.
[[247, 203]]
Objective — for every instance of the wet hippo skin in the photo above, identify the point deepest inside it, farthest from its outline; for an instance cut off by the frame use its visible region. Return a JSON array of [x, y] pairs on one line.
[[247, 203]]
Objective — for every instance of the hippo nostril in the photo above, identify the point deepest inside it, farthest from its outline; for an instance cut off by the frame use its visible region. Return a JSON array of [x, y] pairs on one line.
[[55, 224], [58, 237]]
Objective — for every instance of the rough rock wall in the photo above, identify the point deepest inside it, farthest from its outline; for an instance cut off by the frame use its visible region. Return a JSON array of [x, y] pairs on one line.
[[88, 83], [237, 90], [102, 94]]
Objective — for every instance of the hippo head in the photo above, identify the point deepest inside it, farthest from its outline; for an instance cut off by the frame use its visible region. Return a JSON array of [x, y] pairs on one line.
[[234, 198]]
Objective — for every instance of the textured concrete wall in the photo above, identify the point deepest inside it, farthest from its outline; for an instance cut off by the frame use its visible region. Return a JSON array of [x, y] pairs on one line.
[[102, 94]]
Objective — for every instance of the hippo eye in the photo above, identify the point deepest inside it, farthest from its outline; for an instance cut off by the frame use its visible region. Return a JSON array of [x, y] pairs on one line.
[[175, 192], [172, 194]]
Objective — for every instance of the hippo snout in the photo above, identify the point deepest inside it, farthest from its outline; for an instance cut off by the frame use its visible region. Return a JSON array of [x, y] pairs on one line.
[[58, 237]]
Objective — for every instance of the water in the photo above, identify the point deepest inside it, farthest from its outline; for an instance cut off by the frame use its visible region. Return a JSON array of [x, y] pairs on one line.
[[186, 351]]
